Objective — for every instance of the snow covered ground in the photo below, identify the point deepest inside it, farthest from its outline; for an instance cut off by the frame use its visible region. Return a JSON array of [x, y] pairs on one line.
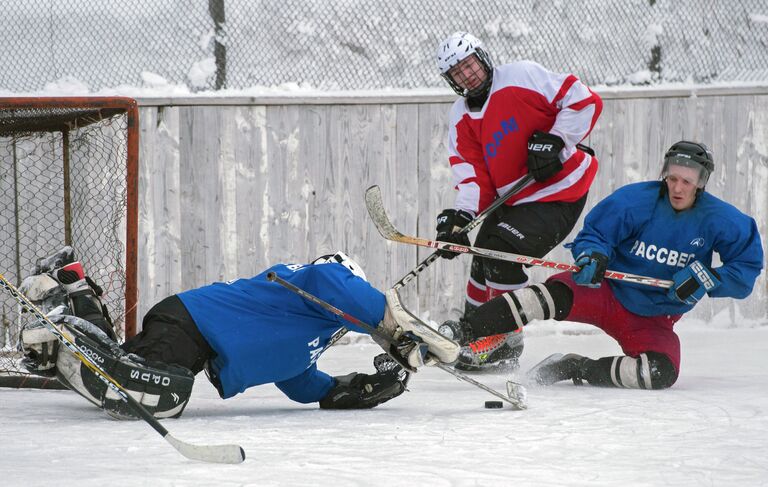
[[710, 429]]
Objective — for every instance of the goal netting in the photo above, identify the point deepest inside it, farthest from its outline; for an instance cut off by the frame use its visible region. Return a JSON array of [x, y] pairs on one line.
[[68, 176]]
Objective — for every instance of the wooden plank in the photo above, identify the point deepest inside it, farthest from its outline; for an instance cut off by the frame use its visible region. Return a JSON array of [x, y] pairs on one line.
[[200, 190], [282, 216], [401, 190], [441, 287], [248, 146], [160, 269]]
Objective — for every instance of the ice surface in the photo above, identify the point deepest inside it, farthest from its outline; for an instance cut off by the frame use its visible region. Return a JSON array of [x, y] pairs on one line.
[[709, 429]]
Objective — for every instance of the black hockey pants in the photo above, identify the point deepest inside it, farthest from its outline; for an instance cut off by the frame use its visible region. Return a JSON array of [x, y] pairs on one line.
[[170, 335], [531, 229]]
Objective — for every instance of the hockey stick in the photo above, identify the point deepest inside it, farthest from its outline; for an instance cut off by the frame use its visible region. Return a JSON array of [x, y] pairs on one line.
[[389, 232], [203, 453], [374, 192], [516, 400]]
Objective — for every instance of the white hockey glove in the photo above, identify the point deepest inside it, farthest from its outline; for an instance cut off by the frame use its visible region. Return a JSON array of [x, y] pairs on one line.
[[429, 346]]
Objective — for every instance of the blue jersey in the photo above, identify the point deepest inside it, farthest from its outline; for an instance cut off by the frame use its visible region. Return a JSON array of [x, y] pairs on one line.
[[261, 332], [640, 232]]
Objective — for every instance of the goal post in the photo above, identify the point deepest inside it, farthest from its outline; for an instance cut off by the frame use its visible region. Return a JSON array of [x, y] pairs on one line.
[[68, 176]]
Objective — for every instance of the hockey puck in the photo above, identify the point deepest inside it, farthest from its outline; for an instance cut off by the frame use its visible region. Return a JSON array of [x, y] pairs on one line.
[[494, 404]]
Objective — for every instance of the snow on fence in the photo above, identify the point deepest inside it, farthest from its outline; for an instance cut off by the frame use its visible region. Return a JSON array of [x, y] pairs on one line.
[[229, 186]]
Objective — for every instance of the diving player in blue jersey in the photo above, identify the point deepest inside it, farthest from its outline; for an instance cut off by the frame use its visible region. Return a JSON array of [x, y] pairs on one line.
[[243, 333], [667, 229]]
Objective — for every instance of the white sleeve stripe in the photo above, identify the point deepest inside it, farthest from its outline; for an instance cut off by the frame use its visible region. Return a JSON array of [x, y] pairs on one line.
[[462, 171], [561, 185], [575, 94], [468, 197], [572, 127]]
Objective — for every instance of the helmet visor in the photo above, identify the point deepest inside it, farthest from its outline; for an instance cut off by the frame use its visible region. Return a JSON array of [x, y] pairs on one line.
[[694, 173]]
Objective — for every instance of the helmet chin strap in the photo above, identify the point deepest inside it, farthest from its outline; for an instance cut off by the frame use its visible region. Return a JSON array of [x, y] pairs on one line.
[[476, 98]]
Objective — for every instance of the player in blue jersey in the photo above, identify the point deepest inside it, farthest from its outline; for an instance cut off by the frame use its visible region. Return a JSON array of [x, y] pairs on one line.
[[243, 333], [667, 229]]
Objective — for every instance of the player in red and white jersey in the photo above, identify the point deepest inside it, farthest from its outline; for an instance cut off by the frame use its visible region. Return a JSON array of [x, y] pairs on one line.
[[512, 120]]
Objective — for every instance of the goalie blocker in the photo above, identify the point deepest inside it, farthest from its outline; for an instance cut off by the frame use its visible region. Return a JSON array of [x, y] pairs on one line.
[[162, 389]]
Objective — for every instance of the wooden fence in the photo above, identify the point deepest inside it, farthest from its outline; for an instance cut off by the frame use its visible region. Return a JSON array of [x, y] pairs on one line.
[[229, 186]]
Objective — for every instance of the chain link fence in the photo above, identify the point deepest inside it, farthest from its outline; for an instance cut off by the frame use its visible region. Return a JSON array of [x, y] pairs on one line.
[[371, 44]]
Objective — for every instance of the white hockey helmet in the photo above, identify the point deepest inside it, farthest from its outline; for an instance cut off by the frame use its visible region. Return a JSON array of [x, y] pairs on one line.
[[343, 259], [454, 49]]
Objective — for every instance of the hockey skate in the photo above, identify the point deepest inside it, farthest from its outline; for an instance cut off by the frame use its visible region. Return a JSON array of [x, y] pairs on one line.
[[557, 367], [492, 353]]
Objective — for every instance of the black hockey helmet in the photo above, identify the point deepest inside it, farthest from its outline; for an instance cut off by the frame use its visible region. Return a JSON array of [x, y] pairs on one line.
[[690, 154]]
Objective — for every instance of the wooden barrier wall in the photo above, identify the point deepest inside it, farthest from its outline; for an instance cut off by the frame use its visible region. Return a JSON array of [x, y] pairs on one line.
[[230, 186]]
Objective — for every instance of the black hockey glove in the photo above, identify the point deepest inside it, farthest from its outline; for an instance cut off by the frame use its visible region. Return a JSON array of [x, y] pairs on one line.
[[449, 225], [362, 391], [543, 155], [592, 269]]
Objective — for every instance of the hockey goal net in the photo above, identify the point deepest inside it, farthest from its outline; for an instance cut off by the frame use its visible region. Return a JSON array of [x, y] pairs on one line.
[[68, 176]]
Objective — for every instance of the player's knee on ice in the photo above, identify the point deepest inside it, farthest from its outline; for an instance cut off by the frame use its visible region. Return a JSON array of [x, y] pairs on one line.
[[650, 370]]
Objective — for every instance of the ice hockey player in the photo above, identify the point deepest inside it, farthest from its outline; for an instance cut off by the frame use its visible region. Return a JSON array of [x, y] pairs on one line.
[[244, 333], [667, 229], [511, 120]]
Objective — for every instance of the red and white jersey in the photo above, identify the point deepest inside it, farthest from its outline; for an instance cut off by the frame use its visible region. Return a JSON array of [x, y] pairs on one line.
[[488, 149]]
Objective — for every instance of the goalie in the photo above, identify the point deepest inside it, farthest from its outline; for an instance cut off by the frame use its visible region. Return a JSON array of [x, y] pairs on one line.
[[243, 333]]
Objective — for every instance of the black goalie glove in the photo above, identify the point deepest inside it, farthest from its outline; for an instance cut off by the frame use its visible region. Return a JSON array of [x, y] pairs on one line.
[[449, 225], [543, 155], [363, 391]]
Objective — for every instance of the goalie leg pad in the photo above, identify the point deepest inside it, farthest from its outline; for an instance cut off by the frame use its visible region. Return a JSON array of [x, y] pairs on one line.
[[163, 390], [84, 301], [97, 346], [41, 349]]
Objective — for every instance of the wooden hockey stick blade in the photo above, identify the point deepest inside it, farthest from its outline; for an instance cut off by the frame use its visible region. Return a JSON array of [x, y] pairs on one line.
[[208, 453], [377, 212], [388, 231], [212, 453]]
